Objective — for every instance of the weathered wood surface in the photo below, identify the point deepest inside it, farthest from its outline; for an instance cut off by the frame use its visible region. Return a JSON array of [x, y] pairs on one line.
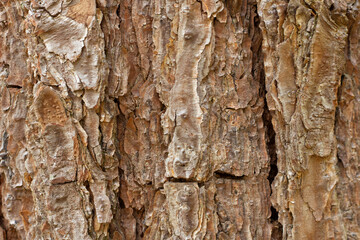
[[179, 119]]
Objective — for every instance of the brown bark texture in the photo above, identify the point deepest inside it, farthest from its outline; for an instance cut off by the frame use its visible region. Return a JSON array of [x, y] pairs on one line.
[[180, 119]]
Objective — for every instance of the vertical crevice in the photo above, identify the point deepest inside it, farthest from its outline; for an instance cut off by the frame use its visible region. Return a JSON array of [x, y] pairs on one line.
[[2, 222], [91, 201], [338, 113], [139, 215], [277, 228], [274, 214], [118, 14], [271, 145], [270, 135]]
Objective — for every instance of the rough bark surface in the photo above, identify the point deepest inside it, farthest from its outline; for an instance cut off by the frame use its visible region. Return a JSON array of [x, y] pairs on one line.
[[180, 119]]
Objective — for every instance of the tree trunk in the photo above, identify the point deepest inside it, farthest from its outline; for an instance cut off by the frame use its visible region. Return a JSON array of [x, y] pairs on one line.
[[180, 119]]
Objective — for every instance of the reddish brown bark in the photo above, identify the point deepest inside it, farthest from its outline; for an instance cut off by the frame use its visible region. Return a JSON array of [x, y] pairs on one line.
[[179, 119]]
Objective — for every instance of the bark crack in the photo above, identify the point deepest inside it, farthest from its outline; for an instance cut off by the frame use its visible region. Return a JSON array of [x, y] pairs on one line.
[[13, 86], [224, 175]]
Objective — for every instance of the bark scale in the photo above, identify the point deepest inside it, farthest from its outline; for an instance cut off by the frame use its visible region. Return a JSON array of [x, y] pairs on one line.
[[179, 119]]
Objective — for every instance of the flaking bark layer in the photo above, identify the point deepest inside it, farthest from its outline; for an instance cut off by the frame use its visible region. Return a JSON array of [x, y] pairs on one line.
[[179, 119]]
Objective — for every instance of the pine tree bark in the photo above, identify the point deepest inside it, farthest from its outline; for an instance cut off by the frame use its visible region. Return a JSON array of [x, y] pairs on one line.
[[179, 119]]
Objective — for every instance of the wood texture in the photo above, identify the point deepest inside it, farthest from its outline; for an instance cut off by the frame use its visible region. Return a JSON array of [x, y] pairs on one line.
[[179, 119]]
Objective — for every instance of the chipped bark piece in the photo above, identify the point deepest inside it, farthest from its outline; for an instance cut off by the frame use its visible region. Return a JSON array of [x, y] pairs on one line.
[[212, 7], [67, 218], [156, 218], [286, 80], [54, 70], [54, 7], [88, 65], [91, 127], [128, 223], [91, 98], [49, 108], [60, 147], [186, 209], [17, 73], [5, 99], [102, 202], [15, 203], [82, 11], [237, 222], [141, 16], [61, 35], [184, 109]]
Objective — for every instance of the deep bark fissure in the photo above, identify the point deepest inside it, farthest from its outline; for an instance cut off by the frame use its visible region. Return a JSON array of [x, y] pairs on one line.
[[224, 175], [180, 180], [271, 145], [14, 86], [270, 134], [2, 219]]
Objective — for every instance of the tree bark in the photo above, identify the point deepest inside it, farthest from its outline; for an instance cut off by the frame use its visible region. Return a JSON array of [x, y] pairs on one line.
[[180, 119]]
